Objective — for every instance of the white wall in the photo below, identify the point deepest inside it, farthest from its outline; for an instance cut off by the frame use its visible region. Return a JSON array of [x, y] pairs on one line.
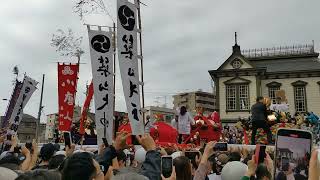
[[312, 91]]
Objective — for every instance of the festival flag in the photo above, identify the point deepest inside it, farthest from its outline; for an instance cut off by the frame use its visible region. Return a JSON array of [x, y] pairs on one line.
[[101, 53], [28, 87], [128, 62], [12, 103], [85, 109], [67, 83]]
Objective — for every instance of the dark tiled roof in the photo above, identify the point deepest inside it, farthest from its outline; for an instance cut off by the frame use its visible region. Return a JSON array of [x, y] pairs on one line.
[[292, 64], [284, 150]]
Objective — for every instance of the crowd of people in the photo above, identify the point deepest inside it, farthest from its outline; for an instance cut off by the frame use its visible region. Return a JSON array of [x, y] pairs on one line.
[[122, 162]]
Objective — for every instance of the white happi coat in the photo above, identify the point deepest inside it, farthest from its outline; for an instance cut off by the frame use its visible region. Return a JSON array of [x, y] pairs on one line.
[[184, 123]]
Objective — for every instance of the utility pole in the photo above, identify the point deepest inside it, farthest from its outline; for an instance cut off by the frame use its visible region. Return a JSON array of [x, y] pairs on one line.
[[40, 109]]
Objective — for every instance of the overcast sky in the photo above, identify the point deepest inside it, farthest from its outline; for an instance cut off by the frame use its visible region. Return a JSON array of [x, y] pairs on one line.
[[182, 40]]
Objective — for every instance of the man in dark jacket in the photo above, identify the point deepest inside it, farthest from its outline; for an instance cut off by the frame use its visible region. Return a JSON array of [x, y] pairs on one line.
[[259, 120]]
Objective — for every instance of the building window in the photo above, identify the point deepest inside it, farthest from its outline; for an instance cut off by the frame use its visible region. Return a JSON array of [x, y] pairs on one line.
[[272, 94], [272, 88], [237, 97], [231, 97], [300, 98], [244, 97]]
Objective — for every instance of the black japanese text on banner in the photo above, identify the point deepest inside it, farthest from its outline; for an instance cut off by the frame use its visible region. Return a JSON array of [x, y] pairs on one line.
[[101, 52], [28, 87], [128, 62]]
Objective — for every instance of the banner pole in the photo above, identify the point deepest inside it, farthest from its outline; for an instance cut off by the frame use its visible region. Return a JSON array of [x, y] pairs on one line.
[[114, 78], [141, 60], [40, 109]]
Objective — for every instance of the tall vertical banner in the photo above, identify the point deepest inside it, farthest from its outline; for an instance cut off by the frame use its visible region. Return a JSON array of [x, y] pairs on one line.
[[128, 62], [28, 87], [101, 53], [12, 103], [85, 109], [67, 83], [51, 121]]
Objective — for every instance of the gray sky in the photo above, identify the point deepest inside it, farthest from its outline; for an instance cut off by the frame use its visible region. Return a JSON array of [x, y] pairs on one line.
[[182, 40]]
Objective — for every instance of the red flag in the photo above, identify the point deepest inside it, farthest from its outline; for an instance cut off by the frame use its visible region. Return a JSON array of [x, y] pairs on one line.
[[67, 83], [85, 108]]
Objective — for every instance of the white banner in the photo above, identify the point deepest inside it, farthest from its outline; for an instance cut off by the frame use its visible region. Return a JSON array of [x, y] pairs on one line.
[[128, 62], [101, 52], [51, 121], [28, 87]]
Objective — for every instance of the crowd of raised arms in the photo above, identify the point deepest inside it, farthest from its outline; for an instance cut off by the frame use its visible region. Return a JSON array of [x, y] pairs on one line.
[[121, 162]]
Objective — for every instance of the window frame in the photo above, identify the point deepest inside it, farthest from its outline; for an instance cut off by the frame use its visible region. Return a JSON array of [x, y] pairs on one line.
[[303, 85], [237, 97], [273, 85]]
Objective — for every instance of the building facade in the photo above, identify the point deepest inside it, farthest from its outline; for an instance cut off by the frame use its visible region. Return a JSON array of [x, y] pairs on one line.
[[261, 72], [27, 129], [192, 100], [168, 114]]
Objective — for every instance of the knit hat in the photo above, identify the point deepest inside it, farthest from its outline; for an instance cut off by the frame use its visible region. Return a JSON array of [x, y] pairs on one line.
[[7, 174], [233, 170]]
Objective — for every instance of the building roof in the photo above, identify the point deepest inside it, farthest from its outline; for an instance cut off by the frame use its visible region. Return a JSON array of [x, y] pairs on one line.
[[288, 64], [284, 150], [25, 118]]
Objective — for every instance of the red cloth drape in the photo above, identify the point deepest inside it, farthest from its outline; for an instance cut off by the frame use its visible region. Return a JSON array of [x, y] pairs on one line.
[[85, 109], [164, 132]]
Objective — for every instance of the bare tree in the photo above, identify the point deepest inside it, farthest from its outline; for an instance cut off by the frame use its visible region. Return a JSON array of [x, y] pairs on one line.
[[67, 44], [85, 7]]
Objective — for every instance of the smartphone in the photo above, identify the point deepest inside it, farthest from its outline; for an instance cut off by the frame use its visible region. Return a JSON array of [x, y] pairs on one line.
[[260, 153], [67, 139], [293, 148], [29, 147], [105, 142], [9, 137], [221, 146], [166, 166], [192, 154], [134, 140]]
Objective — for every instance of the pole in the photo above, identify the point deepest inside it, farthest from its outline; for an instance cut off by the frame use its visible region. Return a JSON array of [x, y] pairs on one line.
[[40, 108], [114, 77], [141, 60]]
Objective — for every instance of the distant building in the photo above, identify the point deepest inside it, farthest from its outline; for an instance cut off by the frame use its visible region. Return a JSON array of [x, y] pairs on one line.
[[261, 72], [27, 129], [168, 114], [285, 152], [192, 100], [51, 125]]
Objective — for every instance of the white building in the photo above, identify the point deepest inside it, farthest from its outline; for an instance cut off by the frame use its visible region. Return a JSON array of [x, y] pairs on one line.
[[51, 126], [168, 114], [260, 72]]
